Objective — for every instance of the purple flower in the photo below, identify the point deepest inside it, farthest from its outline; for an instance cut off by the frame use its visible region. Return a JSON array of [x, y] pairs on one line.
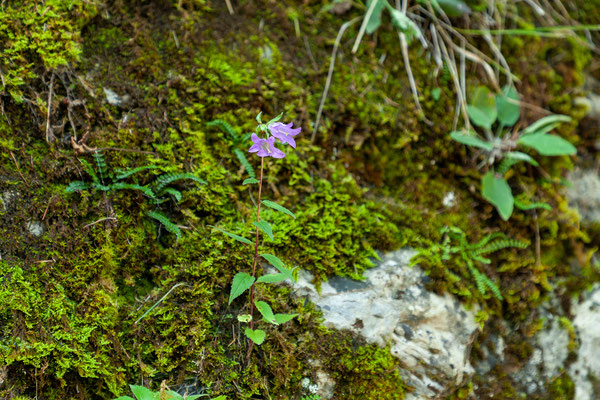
[[284, 132], [265, 147]]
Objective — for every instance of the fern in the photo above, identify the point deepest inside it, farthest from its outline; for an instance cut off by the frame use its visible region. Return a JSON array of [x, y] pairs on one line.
[[501, 244], [530, 206], [483, 282], [101, 164], [174, 192], [506, 164], [122, 174], [132, 186], [163, 180], [245, 163], [166, 222], [76, 186], [88, 168], [225, 127]]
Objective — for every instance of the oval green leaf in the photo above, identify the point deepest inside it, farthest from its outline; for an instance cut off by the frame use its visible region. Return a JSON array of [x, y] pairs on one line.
[[272, 278], [470, 139], [517, 155], [548, 145], [256, 335], [241, 282], [496, 191], [234, 236], [283, 318], [277, 207], [265, 227], [266, 311], [545, 124], [508, 106]]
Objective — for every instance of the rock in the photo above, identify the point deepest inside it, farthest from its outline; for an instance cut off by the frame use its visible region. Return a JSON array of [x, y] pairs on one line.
[[35, 228], [114, 99], [585, 371], [430, 334], [8, 199], [551, 349], [584, 194]]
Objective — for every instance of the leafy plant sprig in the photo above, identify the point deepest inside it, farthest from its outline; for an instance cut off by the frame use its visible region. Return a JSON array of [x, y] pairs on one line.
[[243, 281], [503, 109], [158, 191], [143, 393], [455, 243]]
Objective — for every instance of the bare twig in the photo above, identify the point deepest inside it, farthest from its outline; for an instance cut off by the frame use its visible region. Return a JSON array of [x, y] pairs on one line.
[[18, 169], [229, 7], [330, 72], [49, 135], [100, 220], [363, 27]]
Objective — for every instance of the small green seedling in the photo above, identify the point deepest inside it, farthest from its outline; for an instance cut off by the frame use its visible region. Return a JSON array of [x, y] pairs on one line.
[[502, 111]]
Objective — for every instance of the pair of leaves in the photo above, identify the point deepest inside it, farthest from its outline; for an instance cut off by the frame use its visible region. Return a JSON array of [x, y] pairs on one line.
[[242, 281], [143, 393], [485, 107], [400, 20], [268, 315], [283, 274]]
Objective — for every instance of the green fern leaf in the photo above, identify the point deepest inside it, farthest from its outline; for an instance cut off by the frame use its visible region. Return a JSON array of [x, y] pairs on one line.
[[225, 127], [502, 244], [88, 168], [166, 222], [122, 174], [164, 180], [245, 163], [77, 186], [101, 164], [124, 186]]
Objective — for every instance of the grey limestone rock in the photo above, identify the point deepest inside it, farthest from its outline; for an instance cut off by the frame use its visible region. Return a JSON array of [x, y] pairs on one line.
[[429, 333]]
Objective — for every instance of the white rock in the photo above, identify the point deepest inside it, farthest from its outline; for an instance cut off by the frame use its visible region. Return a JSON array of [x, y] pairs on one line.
[[584, 194], [430, 334], [587, 367]]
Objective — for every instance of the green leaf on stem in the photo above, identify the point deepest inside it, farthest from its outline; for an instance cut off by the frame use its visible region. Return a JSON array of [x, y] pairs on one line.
[[496, 191], [283, 318], [277, 207], [242, 281], [265, 227], [470, 139], [277, 263], [142, 393], [272, 278], [244, 318], [266, 311], [256, 335], [250, 181], [234, 236], [548, 145]]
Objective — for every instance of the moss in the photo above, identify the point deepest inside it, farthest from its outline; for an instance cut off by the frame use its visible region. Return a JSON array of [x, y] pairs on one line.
[[374, 180], [561, 388]]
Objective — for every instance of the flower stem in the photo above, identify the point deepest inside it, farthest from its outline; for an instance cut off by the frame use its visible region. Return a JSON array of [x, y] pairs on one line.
[[262, 162]]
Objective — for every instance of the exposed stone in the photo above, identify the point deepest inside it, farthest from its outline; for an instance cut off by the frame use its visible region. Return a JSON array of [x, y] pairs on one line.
[[35, 228], [551, 349], [585, 371], [584, 194], [8, 199], [114, 99], [430, 334]]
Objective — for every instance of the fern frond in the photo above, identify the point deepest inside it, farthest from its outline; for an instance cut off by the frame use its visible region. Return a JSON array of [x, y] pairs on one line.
[[506, 164], [226, 128], [163, 180], [483, 282], [101, 164], [530, 206], [131, 186], [77, 186], [166, 222], [501, 244], [174, 192], [245, 163], [122, 174], [88, 168]]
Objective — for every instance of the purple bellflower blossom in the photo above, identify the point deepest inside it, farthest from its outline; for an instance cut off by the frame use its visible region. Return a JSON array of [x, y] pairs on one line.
[[265, 147], [284, 132]]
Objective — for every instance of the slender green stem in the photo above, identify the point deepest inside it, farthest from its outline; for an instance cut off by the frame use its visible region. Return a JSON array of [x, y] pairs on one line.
[[262, 163]]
